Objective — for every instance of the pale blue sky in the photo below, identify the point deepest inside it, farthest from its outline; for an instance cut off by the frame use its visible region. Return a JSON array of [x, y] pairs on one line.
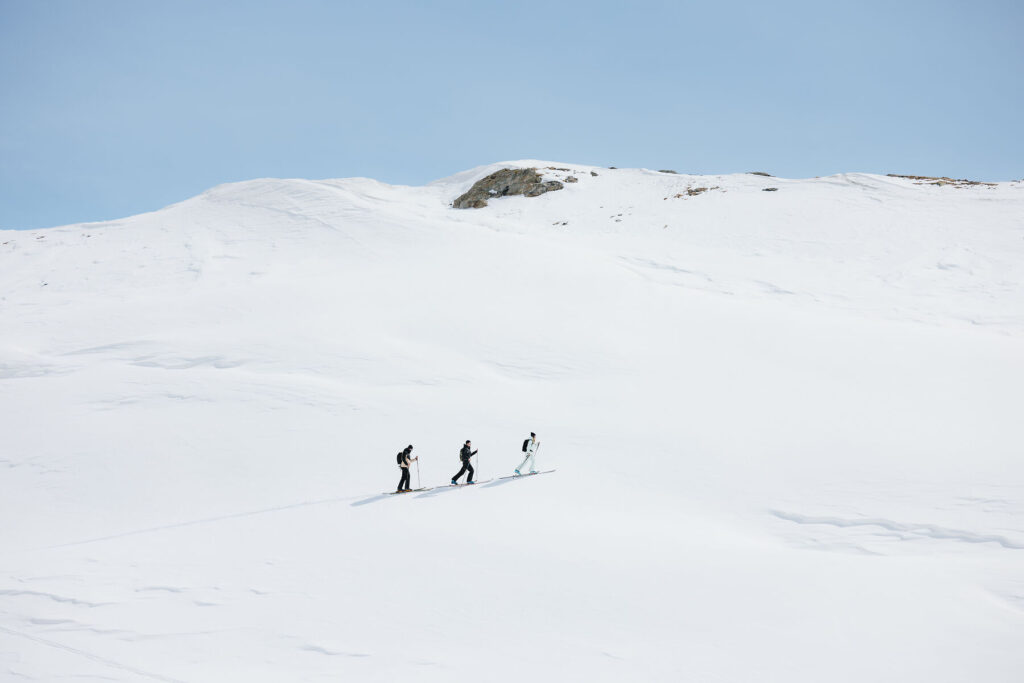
[[113, 108]]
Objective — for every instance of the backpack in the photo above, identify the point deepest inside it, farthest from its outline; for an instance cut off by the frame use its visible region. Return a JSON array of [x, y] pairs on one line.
[[525, 444], [401, 458]]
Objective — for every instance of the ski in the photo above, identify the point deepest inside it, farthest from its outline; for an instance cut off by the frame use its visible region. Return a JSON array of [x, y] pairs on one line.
[[395, 493], [482, 481], [528, 474]]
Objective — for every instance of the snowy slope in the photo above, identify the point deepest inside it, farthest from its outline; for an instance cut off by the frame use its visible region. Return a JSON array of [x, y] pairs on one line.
[[786, 426]]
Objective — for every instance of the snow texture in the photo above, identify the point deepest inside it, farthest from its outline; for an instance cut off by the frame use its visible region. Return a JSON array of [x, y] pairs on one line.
[[786, 426]]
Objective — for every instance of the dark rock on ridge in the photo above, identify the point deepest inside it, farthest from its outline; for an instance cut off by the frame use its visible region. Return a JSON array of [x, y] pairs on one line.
[[933, 180], [507, 181]]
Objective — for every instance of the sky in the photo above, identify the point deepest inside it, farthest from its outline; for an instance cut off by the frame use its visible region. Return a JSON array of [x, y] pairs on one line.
[[108, 108]]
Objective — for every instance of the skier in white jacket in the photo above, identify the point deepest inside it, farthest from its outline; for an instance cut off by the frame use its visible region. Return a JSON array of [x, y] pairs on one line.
[[531, 448]]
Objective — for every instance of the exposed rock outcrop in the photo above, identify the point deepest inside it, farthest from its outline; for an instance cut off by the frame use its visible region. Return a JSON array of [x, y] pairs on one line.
[[932, 180], [692, 191], [507, 181]]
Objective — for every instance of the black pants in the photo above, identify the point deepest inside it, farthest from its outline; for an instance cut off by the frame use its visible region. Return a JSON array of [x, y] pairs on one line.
[[466, 467], [403, 483]]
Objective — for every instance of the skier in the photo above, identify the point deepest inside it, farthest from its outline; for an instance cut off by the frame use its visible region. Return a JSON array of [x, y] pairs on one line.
[[464, 455], [530, 447], [403, 462]]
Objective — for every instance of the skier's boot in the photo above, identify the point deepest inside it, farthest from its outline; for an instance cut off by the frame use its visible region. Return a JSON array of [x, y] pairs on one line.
[[454, 483], [518, 473]]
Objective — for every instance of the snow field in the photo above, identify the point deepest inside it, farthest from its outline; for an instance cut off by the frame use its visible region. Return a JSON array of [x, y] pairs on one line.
[[786, 429]]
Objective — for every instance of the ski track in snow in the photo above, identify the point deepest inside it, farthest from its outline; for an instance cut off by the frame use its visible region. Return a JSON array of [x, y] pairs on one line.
[[88, 655], [206, 520]]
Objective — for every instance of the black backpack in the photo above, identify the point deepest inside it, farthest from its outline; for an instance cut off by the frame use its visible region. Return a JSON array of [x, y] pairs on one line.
[[525, 444], [401, 458]]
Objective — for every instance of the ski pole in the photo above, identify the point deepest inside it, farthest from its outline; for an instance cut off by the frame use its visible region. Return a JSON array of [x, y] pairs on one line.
[[418, 473]]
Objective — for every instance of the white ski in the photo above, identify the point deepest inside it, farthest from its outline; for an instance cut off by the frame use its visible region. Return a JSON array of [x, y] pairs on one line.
[[528, 474]]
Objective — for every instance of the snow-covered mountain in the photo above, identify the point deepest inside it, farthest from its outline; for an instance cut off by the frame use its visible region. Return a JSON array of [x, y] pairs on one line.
[[786, 425]]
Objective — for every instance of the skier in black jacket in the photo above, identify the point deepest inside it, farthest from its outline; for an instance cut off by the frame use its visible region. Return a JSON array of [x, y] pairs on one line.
[[464, 455], [403, 463]]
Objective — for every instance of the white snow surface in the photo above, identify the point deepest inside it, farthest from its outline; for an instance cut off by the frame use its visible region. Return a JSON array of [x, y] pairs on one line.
[[787, 428]]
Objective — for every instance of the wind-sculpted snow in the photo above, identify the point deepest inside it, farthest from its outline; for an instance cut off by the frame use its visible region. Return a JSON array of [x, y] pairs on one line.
[[786, 427], [904, 531]]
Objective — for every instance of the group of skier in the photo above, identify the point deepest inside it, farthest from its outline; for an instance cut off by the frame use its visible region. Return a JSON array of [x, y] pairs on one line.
[[405, 460]]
